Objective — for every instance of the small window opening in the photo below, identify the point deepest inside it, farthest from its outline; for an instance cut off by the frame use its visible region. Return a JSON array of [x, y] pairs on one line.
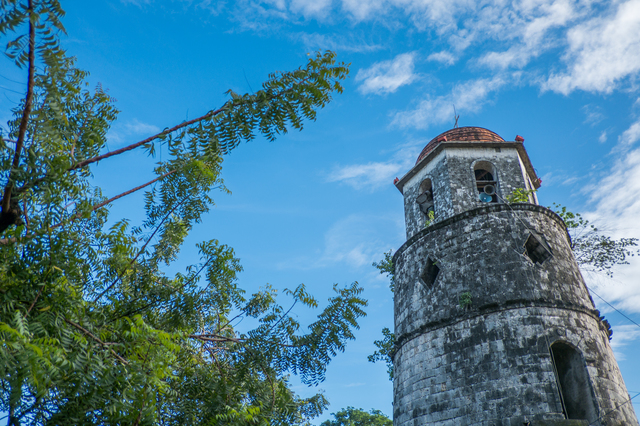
[[573, 383], [430, 273], [486, 182], [537, 248], [425, 199]]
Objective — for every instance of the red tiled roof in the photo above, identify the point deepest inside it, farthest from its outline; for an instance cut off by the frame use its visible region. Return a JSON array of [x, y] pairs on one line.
[[460, 134]]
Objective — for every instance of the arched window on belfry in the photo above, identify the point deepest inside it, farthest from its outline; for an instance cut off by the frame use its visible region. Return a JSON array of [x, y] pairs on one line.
[[486, 181], [425, 197]]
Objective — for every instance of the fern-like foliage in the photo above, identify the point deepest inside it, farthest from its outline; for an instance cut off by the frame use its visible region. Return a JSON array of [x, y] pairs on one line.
[[92, 330]]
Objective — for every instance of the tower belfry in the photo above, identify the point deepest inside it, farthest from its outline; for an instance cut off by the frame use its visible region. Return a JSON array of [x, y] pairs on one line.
[[494, 324]]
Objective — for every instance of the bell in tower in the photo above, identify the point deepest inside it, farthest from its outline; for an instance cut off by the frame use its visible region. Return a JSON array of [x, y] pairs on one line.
[[493, 322]]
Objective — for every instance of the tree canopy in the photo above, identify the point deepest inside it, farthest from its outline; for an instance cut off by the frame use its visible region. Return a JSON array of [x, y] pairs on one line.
[[357, 417], [93, 330]]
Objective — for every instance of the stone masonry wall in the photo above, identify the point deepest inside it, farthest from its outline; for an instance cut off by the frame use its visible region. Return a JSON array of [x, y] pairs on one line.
[[489, 363], [496, 369], [454, 186]]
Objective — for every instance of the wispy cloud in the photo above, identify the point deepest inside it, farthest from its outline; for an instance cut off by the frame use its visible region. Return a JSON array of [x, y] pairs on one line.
[[558, 177], [316, 41], [353, 241], [616, 205], [444, 57], [121, 132], [601, 51], [137, 127], [593, 114], [138, 3], [603, 137], [387, 76], [596, 44], [630, 136], [622, 335], [375, 175], [368, 176], [467, 97], [311, 8]]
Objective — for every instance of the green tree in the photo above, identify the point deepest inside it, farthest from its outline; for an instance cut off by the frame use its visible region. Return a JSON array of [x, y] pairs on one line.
[[357, 417], [93, 331], [385, 350], [592, 249]]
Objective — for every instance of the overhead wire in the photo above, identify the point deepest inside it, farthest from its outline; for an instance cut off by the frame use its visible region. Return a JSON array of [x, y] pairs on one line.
[[613, 307], [589, 288], [611, 411]]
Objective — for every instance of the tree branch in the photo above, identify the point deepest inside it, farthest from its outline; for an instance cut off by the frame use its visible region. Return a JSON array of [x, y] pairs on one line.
[[97, 206], [131, 191], [144, 141], [168, 131], [106, 345], [8, 216], [210, 337], [142, 248], [217, 338], [34, 301]]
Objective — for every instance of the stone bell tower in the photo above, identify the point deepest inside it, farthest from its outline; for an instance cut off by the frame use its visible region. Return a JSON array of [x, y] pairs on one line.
[[493, 322]]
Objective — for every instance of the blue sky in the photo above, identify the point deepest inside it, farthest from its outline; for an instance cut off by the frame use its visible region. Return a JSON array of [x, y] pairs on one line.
[[318, 207]]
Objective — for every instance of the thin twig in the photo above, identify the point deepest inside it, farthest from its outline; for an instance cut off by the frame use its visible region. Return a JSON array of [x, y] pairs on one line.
[[106, 345], [26, 216], [137, 188], [210, 337], [84, 123], [151, 304], [142, 249], [34, 301]]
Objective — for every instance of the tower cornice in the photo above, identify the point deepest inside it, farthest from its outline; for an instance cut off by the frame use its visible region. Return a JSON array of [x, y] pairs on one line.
[[483, 210], [519, 146]]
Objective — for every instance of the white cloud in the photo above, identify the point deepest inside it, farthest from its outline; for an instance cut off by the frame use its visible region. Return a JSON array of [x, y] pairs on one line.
[[121, 133], [558, 177], [630, 136], [598, 41], [315, 41], [467, 97], [387, 76], [361, 10], [138, 3], [530, 26], [603, 137], [367, 176], [311, 8], [593, 114], [601, 52], [617, 207], [376, 175], [622, 336], [443, 57], [137, 127], [353, 240]]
